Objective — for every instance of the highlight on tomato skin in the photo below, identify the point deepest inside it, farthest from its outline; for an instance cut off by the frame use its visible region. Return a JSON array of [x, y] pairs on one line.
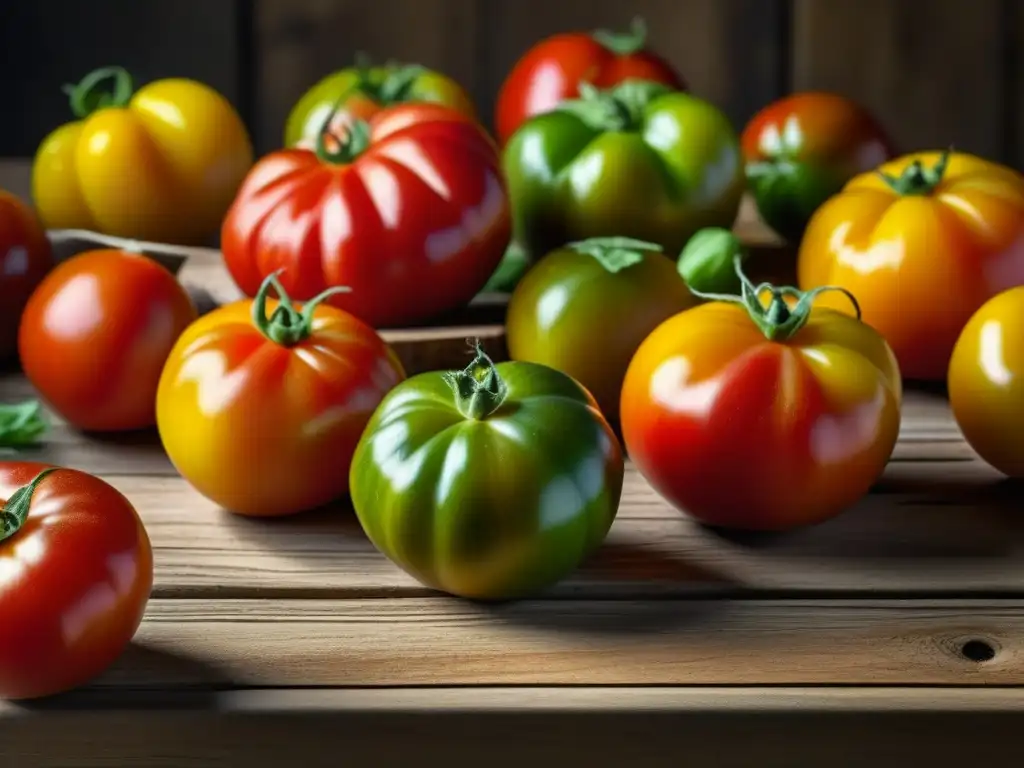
[[762, 415], [76, 570], [986, 382]]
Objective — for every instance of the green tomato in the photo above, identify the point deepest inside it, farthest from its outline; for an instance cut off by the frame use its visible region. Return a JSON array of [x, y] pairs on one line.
[[585, 309], [639, 160], [493, 482]]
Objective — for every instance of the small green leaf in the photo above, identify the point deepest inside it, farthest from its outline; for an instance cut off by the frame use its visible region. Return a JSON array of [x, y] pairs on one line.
[[708, 261], [21, 424], [15, 511], [615, 253]]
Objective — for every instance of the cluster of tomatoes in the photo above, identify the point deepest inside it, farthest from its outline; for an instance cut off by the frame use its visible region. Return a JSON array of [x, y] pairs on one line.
[[746, 405]]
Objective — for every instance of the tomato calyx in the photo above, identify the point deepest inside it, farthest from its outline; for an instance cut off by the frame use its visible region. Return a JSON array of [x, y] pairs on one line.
[[478, 388], [286, 325], [87, 96], [615, 253], [623, 43], [707, 262], [777, 321], [916, 179], [21, 424], [616, 109], [15, 510], [334, 150]]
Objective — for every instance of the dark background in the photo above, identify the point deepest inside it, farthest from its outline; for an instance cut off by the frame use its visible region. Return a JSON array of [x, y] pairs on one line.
[[936, 72]]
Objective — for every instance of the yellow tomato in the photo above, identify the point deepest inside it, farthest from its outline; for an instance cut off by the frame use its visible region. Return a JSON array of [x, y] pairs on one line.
[[986, 382], [161, 164]]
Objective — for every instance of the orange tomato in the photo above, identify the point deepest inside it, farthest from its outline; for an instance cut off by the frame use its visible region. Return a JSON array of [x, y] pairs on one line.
[[25, 258], [761, 416], [261, 405], [95, 334], [922, 249], [986, 382]]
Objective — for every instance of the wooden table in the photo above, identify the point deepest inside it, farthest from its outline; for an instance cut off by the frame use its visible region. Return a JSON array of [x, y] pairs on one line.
[[892, 635]]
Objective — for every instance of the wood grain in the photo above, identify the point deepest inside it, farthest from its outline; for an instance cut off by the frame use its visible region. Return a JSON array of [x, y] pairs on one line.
[[727, 50], [297, 42], [934, 78]]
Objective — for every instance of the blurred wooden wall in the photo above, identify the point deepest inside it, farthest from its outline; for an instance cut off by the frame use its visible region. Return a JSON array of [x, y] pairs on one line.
[[936, 72]]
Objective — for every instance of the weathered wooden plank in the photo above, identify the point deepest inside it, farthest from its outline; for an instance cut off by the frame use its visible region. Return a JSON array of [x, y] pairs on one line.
[[898, 62], [727, 50], [298, 42], [734, 727], [434, 641]]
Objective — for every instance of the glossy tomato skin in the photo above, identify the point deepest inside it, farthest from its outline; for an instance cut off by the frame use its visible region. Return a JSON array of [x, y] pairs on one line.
[[493, 508], [414, 226], [78, 576], [920, 265], [308, 115], [741, 432], [265, 429], [986, 382], [573, 314], [163, 167], [552, 70], [802, 149], [96, 333], [25, 258], [675, 171]]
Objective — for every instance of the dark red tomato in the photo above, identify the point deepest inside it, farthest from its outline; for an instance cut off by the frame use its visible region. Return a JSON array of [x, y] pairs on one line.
[[802, 149], [551, 72], [409, 211], [25, 258], [76, 569]]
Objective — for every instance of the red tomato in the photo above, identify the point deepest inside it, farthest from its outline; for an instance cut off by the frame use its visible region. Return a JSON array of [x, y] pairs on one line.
[[77, 569], [410, 212], [551, 72], [754, 418], [25, 258], [261, 405], [95, 334]]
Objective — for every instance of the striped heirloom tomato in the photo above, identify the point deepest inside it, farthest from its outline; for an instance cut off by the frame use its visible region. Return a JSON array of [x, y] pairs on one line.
[[766, 414]]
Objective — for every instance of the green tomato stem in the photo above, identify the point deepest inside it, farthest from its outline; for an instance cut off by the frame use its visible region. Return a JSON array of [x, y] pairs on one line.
[[287, 325], [778, 321], [617, 109], [615, 253], [916, 179], [624, 43], [87, 96], [478, 388], [21, 424], [15, 511]]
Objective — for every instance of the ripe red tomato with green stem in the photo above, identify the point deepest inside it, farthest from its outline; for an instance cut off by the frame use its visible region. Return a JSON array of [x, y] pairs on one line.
[[552, 71], [76, 569]]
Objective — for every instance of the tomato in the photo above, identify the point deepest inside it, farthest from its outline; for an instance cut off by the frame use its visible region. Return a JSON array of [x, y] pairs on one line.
[[78, 569], [261, 404], [95, 334], [162, 164], [360, 92], [922, 244], [802, 149], [25, 258], [409, 211], [585, 308], [553, 69], [762, 415], [636, 161], [986, 382], [489, 483]]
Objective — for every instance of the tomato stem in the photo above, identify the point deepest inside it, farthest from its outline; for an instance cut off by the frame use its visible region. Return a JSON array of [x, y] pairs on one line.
[[616, 109], [287, 325], [624, 43], [778, 321], [87, 97], [15, 511], [389, 84], [916, 179], [615, 253], [479, 389], [21, 424]]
